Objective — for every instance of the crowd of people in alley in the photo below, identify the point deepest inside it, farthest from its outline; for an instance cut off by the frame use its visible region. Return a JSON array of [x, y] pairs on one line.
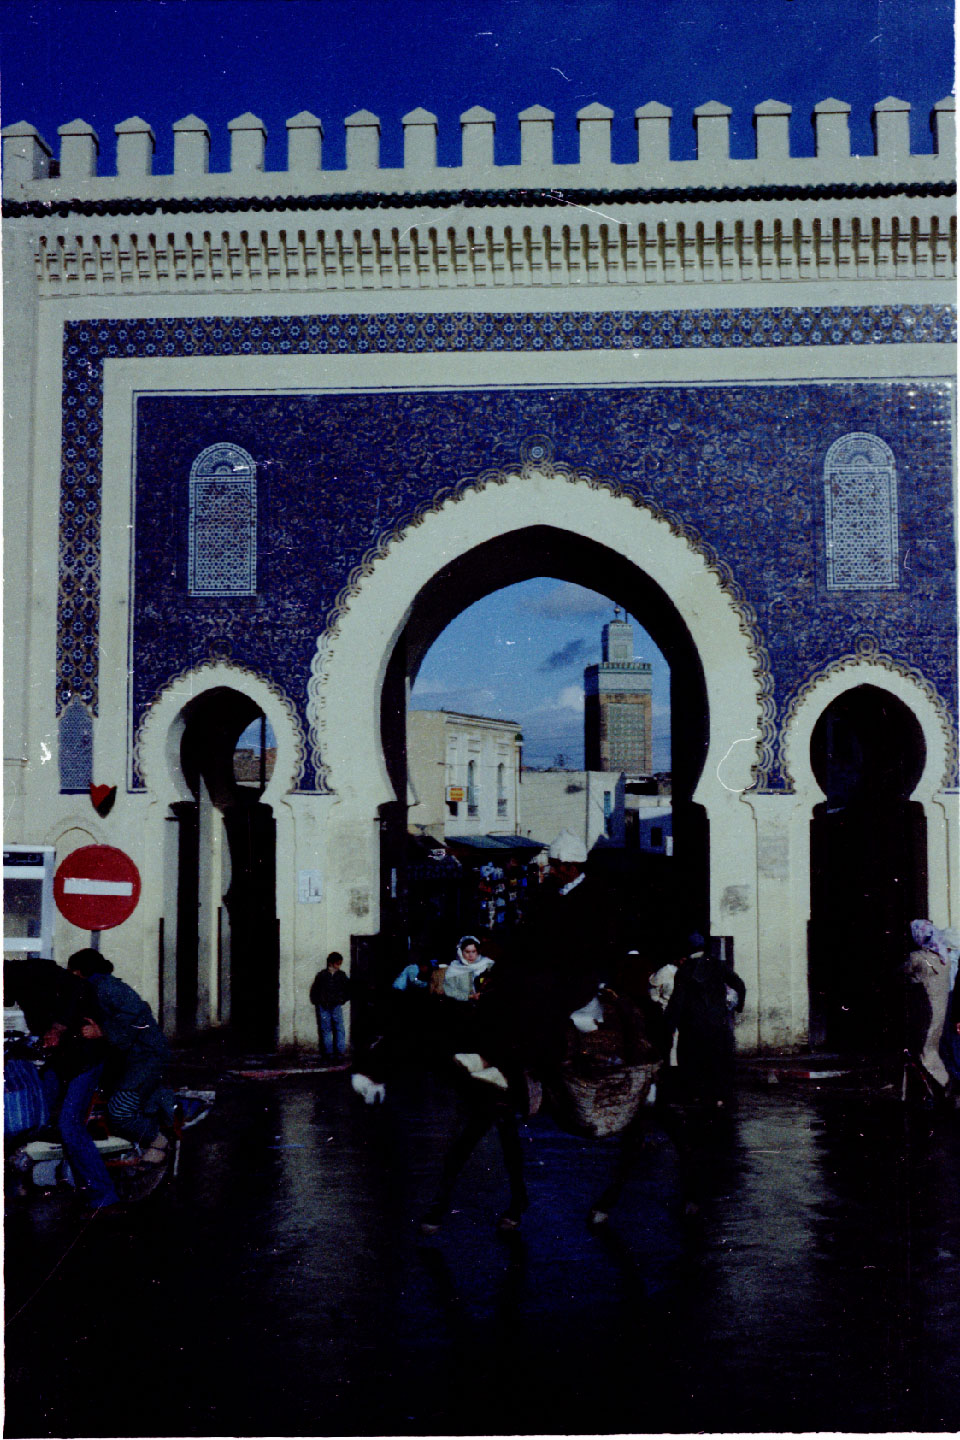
[[517, 1014], [75, 1034], [555, 1004], [512, 1008]]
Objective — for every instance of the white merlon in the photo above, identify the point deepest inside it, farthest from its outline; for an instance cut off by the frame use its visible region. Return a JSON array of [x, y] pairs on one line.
[[593, 123], [943, 123], [248, 142], [536, 136], [477, 127], [419, 140], [191, 147], [831, 126], [712, 124], [653, 134], [891, 127], [363, 141], [136, 143], [771, 121], [79, 147], [304, 142], [27, 158]]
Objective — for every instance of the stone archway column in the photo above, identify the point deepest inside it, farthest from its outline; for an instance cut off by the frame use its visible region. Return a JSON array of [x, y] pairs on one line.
[[942, 813], [733, 897], [782, 831]]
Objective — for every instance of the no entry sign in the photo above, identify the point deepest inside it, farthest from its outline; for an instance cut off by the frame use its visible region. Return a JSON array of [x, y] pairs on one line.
[[97, 887]]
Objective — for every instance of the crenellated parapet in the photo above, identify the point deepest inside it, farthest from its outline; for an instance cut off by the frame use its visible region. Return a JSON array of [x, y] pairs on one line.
[[30, 171], [421, 225]]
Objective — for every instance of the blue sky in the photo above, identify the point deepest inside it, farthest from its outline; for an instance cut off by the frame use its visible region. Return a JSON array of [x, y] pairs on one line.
[[105, 60], [519, 654]]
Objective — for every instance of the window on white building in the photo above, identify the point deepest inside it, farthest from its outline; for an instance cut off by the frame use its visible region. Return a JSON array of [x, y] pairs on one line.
[[472, 787], [501, 791]]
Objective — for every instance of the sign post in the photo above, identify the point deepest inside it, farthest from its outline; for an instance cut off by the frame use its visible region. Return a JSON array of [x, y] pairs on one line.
[[96, 888]]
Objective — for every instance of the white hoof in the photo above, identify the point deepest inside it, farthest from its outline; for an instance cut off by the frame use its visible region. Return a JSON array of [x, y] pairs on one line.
[[372, 1093]]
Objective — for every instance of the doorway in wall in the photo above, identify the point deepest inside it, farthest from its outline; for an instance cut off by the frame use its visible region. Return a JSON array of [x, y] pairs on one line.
[[227, 943], [566, 562], [868, 869]]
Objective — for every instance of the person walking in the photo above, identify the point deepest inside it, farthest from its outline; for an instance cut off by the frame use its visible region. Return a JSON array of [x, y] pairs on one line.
[[484, 1107], [927, 973], [329, 993], [950, 1039], [698, 1011]]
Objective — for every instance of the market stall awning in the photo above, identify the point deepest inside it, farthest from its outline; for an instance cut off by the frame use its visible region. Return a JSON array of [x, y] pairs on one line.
[[497, 844]]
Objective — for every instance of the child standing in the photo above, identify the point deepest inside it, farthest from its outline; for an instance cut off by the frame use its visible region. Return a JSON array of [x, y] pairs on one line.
[[329, 993]]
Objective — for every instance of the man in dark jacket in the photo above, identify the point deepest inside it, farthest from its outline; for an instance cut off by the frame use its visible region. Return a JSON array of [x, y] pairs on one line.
[[139, 1103], [700, 1014], [63, 1010], [329, 993]]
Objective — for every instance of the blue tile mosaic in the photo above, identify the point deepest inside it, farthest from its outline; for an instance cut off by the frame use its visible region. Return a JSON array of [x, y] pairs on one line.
[[743, 467], [740, 466]]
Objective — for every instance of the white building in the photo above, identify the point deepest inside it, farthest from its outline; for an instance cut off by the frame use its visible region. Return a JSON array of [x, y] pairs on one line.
[[463, 774], [585, 802]]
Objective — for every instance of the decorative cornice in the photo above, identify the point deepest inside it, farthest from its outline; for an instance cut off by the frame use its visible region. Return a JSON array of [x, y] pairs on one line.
[[527, 199], [582, 245]]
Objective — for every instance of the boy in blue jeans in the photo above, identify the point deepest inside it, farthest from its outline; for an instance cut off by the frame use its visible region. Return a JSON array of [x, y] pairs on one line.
[[329, 993]]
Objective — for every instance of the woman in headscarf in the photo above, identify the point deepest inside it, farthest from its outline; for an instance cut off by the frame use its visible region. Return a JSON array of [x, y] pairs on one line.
[[927, 972], [460, 981]]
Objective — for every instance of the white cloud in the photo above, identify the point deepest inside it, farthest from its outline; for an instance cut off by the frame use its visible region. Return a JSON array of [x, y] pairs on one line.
[[566, 601], [472, 699], [571, 698]]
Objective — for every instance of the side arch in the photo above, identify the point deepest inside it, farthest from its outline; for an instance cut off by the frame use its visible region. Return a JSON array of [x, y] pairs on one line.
[[933, 793], [870, 666], [157, 745], [194, 973]]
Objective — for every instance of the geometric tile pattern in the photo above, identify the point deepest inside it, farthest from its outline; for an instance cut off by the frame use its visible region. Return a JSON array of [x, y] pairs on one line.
[[88, 343], [740, 467], [75, 748], [860, 514], [223, 522]]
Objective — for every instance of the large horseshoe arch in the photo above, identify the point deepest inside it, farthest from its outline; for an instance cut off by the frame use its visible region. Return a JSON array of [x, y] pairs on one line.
[[535, 524]]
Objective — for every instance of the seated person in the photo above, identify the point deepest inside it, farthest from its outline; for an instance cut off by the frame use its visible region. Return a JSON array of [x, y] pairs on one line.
[[138, 1054]]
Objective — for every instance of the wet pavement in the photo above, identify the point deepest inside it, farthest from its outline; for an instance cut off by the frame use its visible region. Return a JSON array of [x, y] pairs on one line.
[[792, 1266]]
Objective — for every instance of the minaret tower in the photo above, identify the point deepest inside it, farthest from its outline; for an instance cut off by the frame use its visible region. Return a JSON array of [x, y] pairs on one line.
[[617, 719]]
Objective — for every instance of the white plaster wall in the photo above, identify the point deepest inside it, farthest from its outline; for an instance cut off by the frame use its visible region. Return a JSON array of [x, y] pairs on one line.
[[547, 804]]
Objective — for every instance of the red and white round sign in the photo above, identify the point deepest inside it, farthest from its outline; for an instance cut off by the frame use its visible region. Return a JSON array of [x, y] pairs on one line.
[[97, 887]]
